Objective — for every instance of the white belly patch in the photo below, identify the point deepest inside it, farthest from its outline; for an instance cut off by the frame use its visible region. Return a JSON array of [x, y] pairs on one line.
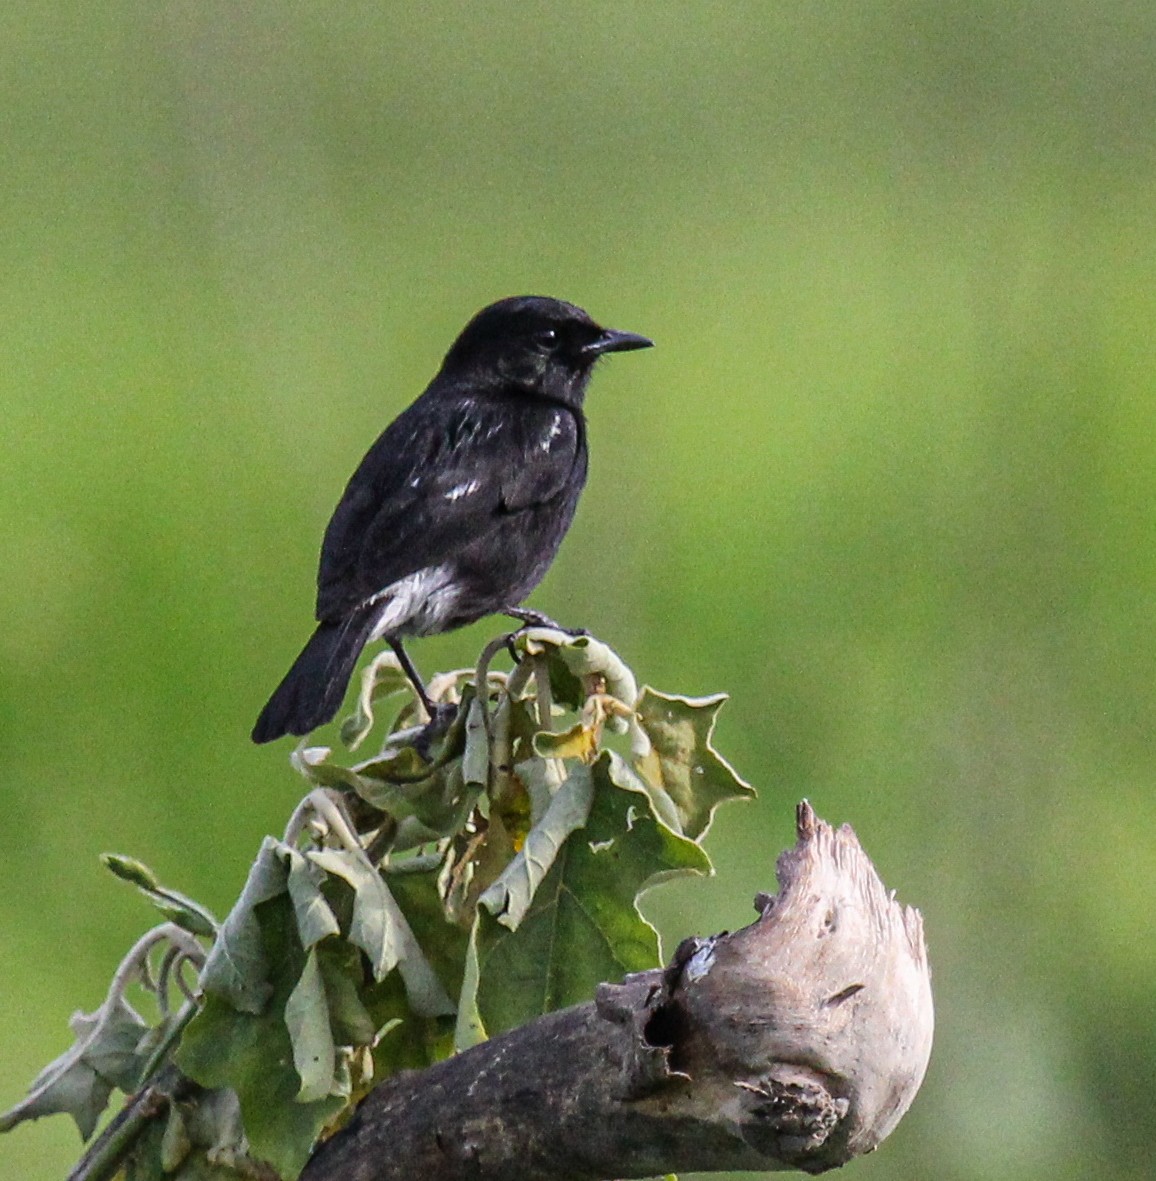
[[418, 605]]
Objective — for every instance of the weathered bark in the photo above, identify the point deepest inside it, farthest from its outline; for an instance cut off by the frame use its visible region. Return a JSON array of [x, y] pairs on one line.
[[797, 1042]]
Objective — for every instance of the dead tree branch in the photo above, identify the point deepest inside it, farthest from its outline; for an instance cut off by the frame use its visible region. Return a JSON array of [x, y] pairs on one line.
[[797, 1042]]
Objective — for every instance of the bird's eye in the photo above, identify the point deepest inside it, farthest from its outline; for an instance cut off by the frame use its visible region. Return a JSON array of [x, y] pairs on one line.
[[547, 338]]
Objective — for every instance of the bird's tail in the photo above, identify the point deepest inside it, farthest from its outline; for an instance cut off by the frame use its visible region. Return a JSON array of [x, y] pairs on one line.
[[314, 687]]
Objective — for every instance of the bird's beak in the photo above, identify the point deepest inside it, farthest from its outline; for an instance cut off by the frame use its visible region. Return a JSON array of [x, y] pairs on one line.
[[613, 341]]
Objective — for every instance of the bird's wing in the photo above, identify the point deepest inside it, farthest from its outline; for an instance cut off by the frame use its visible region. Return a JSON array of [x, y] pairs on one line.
[[437, 479]]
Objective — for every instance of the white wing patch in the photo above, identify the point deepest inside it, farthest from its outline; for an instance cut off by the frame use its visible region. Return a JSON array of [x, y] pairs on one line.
[[460, 490], [417, 605], [554, 431]]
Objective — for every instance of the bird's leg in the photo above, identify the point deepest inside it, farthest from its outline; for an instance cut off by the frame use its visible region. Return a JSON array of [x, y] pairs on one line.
[[512, 648], [438, 713], [528, 618]]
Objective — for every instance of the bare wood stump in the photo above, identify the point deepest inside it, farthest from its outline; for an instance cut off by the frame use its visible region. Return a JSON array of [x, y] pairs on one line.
[[795, 1043]]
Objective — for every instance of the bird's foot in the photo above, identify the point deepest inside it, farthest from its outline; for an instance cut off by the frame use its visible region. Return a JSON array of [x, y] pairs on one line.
[[441, 718], [528, 618]]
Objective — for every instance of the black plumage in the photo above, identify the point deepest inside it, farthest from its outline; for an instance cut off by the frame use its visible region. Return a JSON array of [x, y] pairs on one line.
[[458, 509]]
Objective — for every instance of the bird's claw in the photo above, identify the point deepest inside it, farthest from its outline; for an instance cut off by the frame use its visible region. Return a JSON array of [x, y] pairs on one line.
[[528, 618], [441, 718]]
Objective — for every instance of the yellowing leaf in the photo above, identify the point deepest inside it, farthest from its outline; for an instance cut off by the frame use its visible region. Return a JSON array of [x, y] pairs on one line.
[[579, 742]]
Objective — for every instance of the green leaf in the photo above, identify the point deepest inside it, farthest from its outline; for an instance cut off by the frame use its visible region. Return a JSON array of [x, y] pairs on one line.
[[509, 898], [407, 1042], [341, 971], [584, 925], [129, 869], [683, 774], [307, 1019], [443, 942], [252, 1053], [177, 907], [236, 968]]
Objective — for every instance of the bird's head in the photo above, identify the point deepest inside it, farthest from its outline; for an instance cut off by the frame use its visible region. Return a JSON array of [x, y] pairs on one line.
[[545, 346]]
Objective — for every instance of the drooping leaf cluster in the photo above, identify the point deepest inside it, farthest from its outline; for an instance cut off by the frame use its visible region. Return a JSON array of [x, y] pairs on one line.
[[469, 876]]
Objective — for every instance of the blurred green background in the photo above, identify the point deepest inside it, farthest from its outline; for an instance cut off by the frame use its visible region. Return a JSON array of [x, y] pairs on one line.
[[888, 477]]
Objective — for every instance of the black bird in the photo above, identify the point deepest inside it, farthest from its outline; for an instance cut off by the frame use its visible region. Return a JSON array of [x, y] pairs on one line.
[[458, 509]]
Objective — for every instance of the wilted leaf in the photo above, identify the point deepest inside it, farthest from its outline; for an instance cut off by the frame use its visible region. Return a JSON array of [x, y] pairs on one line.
[[67, 1085], [315, 920], [583, 926], [623, 775], [370, 927], [510, 897], [681, 764], [427, 809], [201, 1140], [79, 1083], [443, 942], [112, 1043], [476, 757], [214, 1123], [582, 656], [307, 1019], [175, 1143], [236, 968], [381, 678], [415, 1042], [469, 1029], [380, 929], [540, 780], [395, 765], [311, 762], [252, 1052]]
